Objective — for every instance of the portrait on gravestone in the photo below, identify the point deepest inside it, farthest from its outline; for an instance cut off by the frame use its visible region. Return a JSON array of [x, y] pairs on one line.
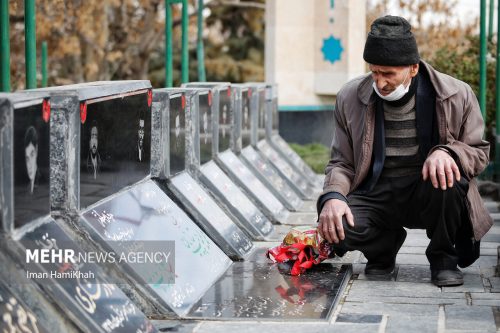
[[224, 120], [205, 119], [31, 154], [31, 165], [140, 139], [177, 134], [114, 143], [93, 158]]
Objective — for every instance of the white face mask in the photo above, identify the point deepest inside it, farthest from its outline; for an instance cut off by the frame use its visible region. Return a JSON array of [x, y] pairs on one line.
[[398, 93]]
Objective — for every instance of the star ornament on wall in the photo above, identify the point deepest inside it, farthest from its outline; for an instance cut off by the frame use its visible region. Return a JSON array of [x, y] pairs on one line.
[[332, 49]]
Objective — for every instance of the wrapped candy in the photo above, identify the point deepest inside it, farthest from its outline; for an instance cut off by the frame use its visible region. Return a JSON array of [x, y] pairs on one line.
[[301, 248]]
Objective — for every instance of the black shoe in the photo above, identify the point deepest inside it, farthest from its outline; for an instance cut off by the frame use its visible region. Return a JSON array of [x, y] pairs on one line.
[[377, 268], [447, 277]]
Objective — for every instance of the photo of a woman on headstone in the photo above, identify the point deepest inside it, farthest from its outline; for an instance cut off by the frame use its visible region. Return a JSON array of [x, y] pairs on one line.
[[31, 155]]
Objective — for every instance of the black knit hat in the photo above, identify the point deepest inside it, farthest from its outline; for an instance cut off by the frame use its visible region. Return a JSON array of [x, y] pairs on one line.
[[391, 43]]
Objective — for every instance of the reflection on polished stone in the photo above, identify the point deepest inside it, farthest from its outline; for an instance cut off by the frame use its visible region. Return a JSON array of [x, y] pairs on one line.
[[256, 289]]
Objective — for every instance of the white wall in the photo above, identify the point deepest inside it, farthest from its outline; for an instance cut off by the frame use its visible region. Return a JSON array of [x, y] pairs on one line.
[[295, 35]]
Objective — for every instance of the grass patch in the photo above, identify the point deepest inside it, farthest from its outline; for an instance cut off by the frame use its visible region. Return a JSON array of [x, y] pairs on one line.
[[315, 155]]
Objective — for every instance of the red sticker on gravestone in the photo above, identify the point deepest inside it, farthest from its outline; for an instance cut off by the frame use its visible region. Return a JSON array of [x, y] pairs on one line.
[[183, 101], [229, 92], [83, 112], [46, 110], [210, 98], [150, 97], [249, 92]]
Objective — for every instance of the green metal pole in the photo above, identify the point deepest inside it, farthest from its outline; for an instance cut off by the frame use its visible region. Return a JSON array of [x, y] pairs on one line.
[[5, 46], [497, 104], [30, 43], [45, 78], [200, 49], [169, 67], [482, 60], [185, 45], [490, 21]]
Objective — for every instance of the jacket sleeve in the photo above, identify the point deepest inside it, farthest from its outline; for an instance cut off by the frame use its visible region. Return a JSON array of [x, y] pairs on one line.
[[470, 151], [340, 169]]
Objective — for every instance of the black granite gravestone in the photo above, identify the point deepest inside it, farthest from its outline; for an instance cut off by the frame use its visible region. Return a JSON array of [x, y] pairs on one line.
[[294, 178], [189, 193], [16, 316], [256, 289], [139, 217], [260, 166], [115, 142], [275, 140], [230, 164], [30, 121], [245, 213], [110, 311]]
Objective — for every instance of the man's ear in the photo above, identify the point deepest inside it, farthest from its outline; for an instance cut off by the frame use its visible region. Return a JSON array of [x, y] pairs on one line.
[[414, 70]]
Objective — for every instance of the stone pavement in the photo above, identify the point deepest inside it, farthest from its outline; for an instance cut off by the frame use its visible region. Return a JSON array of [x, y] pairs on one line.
[[404, 302]]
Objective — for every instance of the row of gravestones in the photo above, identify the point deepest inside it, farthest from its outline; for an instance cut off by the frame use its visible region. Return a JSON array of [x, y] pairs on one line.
[[118, 201]]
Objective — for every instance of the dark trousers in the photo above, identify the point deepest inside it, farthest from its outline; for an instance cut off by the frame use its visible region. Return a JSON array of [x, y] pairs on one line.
[[394, 203]]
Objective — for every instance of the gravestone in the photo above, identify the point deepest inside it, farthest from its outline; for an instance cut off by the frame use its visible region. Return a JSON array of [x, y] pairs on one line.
[[294, 178], [239, 173], [260, 166], [76, 291], [256, 289], [189, 193], [275, 140], [139, 218], [16, 316], [246, 214]]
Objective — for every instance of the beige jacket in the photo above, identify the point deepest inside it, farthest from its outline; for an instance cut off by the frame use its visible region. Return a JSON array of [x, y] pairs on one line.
[[460, 126]]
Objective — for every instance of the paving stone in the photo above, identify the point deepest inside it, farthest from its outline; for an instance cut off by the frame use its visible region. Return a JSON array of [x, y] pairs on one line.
[[469, 318], [484, 296], [259, 327], [473, 281], [416, 240], [413, 250], [414, 273], [489, 251], [391, 288], [487, 261], [388, 277], [489, 245], [411, 323], [487, 272], [458, 300], [390, 309], [492, 206], [353, 328], [491, 237], [495, 284], [358, 318], [412, 259]]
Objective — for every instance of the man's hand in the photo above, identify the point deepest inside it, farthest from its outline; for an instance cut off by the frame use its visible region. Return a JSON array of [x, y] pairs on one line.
[[330, 220], [441, 168]]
